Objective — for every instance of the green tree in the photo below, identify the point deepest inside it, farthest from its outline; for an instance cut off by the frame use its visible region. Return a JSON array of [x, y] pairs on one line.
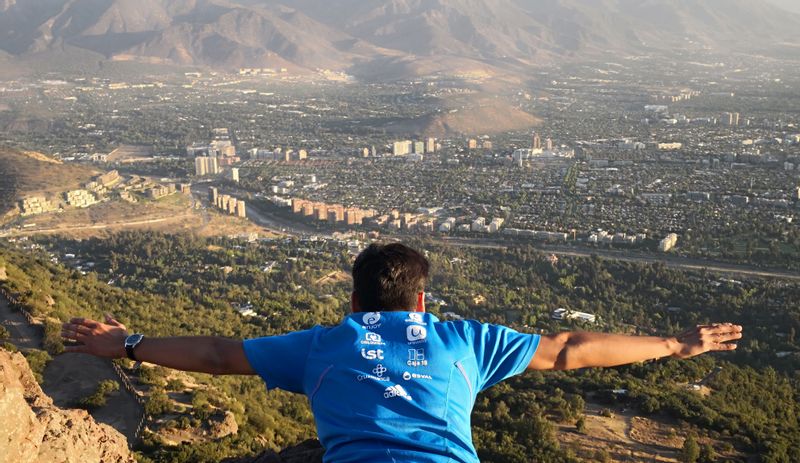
[[690, 452], [708, 454], [38, 360], [98, 398], [580, 424], [158, 403]]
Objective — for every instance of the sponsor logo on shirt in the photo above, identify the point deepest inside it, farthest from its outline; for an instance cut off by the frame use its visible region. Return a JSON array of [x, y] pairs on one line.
[[371, 320], [416, 358], [396, 391], [409, 376], [373, 377], [377, 374], [372, 339], [414, 317], [416, 334], [372, 354]]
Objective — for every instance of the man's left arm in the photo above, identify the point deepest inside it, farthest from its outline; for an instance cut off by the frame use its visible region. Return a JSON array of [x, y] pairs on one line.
[[581, 349]]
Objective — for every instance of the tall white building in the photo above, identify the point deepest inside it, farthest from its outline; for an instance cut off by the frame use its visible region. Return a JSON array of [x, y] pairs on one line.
[[205, 165], [430, 145], [400, 148]]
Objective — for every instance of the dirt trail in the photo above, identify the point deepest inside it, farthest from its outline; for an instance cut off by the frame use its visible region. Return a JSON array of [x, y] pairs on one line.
[[23, 335]]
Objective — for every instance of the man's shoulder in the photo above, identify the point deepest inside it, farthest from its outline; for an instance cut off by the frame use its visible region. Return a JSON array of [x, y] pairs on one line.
[[458, 329]]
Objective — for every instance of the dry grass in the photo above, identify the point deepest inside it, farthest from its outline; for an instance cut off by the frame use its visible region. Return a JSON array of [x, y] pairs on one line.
[[173, 214], [478, 115], [336, 276], [625, 436], [30, 173], [130, 153]]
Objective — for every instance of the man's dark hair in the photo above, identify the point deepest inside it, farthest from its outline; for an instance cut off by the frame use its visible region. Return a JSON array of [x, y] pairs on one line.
[[389, 277]]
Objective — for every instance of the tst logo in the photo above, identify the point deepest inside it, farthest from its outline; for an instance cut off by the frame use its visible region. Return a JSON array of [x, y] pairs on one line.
[[372, 354], [416, 333]]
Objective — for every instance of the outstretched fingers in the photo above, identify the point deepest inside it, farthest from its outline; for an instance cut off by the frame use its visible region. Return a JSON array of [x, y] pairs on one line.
[[74, 331], [727, 336], [87, 322], [113, 321], [719, 334], [727, 346], [72, 327]]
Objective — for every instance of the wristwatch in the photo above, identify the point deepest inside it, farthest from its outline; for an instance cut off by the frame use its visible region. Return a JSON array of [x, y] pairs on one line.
[[130, 344]]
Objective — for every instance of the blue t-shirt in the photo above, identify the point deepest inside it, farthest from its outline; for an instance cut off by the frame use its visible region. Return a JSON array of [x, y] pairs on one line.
[[393, 386]]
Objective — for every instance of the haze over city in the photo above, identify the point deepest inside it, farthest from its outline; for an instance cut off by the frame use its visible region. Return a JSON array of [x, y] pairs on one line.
[[213, 168]]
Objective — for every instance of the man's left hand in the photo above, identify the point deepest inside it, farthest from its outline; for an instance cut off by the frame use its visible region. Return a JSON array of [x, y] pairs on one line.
[[96, 338]]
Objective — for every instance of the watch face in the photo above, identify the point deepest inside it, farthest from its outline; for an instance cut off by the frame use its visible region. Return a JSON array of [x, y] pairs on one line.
[[133, 339]]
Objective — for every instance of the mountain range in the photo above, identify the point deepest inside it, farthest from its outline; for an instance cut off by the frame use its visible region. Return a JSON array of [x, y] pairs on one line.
[[404, 36], [790, 5]]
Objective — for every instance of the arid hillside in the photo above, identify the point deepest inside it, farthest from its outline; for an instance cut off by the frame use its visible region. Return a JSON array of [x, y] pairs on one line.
[[26, 173]]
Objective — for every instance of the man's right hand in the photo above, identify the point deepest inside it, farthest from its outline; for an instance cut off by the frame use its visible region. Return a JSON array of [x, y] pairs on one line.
[[96, 338], [707, 338]]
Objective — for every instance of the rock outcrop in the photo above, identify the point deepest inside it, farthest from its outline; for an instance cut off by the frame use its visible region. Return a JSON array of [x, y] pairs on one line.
[[34, 430], [223, 424]]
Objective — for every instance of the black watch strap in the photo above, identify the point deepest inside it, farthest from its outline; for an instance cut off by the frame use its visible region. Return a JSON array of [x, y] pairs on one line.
[[131, 342]]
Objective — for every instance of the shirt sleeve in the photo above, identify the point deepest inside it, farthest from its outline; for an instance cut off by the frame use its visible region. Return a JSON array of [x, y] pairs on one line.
[[280, 360], [501, 352]]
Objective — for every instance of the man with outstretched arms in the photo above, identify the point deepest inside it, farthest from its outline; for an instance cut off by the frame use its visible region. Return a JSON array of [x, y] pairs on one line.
[[392, 383]]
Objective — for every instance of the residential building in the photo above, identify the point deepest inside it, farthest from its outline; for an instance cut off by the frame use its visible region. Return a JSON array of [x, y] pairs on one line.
[[37, 205], [564, 314], [668, 242], [206, 165], [430, 145], [80, 198], [400, 148]]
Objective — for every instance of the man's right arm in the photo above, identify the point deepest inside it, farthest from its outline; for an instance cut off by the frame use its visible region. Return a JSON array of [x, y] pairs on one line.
[[204, 354]]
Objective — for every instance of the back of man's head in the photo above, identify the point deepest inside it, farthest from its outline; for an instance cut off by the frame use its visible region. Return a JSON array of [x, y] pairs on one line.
[[389, 277]]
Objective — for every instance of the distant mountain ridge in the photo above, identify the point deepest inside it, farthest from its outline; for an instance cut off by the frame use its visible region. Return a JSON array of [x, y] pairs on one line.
[[789, 5], [356, 35]]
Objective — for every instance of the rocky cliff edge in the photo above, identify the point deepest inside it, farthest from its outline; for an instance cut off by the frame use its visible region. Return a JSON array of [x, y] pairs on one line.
[[34, 430]]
